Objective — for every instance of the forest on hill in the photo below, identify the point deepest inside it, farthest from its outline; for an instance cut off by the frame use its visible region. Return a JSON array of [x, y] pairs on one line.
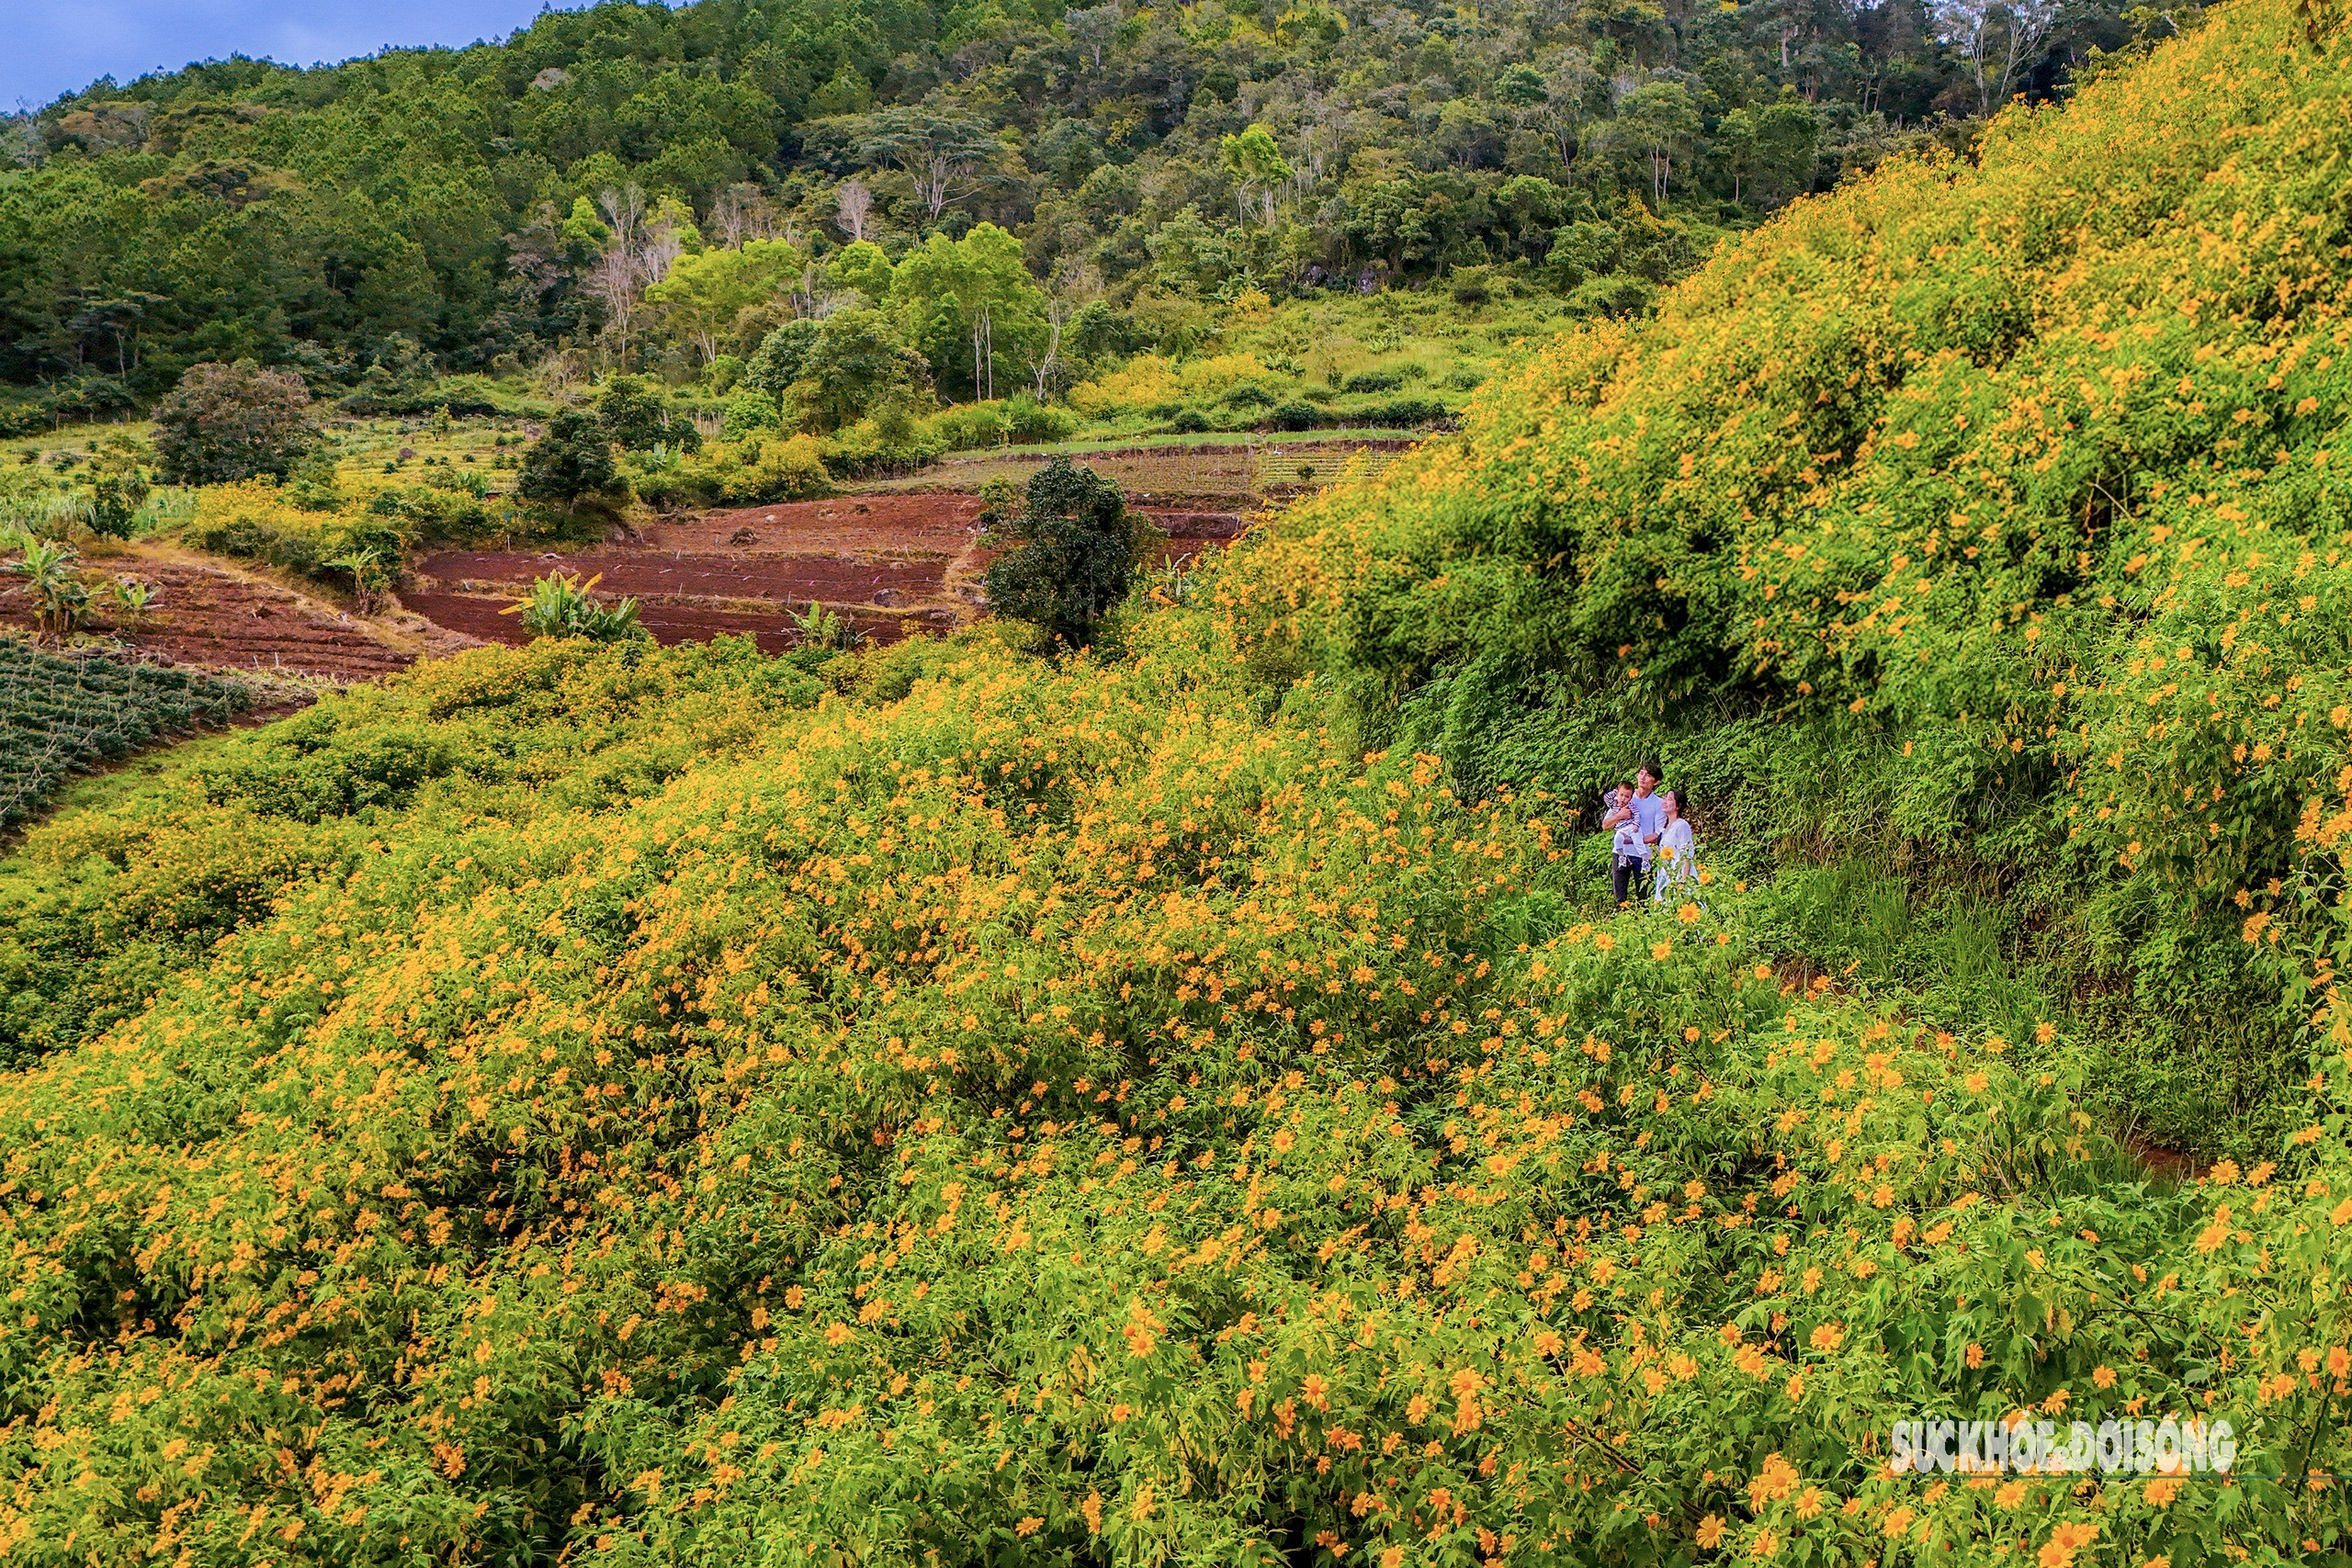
[[378, 224], [1192, 1100]]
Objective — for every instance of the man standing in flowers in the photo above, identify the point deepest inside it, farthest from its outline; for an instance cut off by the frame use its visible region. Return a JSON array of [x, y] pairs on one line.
[[1642, 811]]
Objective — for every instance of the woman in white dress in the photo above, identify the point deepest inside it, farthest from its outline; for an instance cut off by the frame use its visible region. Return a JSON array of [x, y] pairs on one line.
[[1674, 860]]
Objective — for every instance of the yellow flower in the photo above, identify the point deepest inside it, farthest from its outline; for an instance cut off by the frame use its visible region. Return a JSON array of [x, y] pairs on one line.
[[1688, 914], [1828, 1337], [1661, 951], [2068, 1538], [1710, 1531]]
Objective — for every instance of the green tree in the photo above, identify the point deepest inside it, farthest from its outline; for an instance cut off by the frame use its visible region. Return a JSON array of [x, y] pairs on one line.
[[946, 157], [634, 416], [707, 297], [1735, 149], [782, 357], [1258, 168], [1787, 135], [984, 281], [861, 264], [232, 422], [574, 459], [1073, 555], [1656, 120], [853, 359]]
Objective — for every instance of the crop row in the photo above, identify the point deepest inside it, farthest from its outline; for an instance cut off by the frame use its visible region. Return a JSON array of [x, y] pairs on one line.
[[59, 715]]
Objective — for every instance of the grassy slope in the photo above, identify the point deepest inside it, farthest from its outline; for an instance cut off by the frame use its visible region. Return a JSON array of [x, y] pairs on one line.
[[2018, 488], [1083, 1114]]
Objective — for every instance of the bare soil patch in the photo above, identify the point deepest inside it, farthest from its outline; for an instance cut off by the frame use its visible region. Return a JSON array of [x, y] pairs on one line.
[[869, 528], [891, 560], [211, 614]]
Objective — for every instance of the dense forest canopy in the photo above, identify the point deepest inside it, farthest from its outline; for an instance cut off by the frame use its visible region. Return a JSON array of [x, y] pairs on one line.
[[445, 209]]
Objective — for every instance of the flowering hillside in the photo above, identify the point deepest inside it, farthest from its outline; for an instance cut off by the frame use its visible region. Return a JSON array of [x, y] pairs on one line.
[[625, 1106], [2018, 487]]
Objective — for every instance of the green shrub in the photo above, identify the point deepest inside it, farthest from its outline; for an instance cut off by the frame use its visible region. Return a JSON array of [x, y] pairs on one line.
[[572, 460], [889, 441], [1035, 424], [1246, 395], [749, 412], [1404, 411], [742, 473], [1614, 294], [966, 427], [1069, 557]]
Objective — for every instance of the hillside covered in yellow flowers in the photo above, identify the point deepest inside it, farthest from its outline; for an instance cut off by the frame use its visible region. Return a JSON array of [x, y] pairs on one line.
[[601, 1105]]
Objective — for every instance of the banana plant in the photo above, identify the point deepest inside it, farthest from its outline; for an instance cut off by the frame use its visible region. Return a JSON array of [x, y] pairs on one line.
[[821, 627], [369, 575], [61, 600], [565, 606]]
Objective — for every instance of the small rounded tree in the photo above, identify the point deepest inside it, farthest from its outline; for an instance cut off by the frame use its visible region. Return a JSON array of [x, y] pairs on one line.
[[636, 418], [573, 459], [1072, 556], [116, 495], [224, 423]]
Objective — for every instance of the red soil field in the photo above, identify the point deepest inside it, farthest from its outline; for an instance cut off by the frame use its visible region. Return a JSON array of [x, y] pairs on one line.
[[224, 619], [870, 526], [889, 564], [892, 564]]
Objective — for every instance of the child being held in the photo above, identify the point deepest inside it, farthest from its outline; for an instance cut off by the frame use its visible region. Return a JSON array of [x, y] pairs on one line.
[[1628, 856]]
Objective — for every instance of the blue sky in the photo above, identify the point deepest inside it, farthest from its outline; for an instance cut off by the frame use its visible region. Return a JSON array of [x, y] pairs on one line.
[[57, 46]]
